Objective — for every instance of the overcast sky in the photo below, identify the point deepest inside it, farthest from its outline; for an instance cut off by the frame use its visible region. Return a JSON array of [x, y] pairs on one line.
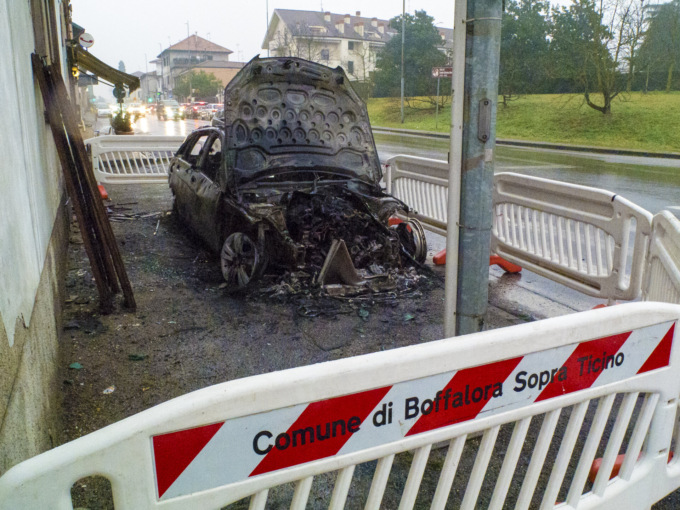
[[136, 31]]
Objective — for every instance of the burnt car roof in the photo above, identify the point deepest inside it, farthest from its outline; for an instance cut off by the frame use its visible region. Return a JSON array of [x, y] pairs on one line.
[[288, 114]]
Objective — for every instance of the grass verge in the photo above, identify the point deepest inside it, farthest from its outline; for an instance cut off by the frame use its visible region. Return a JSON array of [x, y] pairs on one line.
[[638, 121]]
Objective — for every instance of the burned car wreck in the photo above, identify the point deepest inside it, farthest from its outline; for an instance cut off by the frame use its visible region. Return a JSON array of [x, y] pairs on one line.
[[291, 181]]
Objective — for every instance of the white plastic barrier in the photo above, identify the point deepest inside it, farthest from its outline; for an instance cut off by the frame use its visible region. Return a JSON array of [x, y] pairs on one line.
[[588, 239], [557, 393], [662, 272], [422, 184], [132, 159]]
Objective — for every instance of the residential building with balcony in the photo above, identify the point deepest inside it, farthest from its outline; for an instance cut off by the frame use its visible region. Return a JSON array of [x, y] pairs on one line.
[[333, 39]]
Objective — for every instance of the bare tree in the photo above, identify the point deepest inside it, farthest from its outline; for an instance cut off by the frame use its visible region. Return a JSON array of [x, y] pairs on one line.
[[591, 41], [363, 64], [301, 41]]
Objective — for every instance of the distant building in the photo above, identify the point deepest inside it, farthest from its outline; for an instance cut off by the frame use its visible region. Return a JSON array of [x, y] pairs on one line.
[[185, 56], [138, 95], [333, 39], [223, 71], [150, 85]]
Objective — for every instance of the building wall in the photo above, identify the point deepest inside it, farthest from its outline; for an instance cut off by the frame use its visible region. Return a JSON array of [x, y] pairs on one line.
[[170, 69], [33, 234], [224, 75], [362, 56]]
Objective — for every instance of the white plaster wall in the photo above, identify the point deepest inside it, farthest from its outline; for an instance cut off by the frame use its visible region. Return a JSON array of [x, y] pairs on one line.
[[30, 181]]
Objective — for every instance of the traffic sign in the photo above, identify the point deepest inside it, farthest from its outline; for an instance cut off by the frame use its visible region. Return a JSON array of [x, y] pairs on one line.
[[86, 40], [119, 92], [442, 72]]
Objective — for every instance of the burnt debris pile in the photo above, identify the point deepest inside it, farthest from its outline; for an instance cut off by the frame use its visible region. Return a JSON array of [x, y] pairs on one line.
[[316, 220], [348, 250]]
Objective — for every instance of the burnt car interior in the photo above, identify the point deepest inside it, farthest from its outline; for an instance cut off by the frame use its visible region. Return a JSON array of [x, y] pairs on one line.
[[290, 184]]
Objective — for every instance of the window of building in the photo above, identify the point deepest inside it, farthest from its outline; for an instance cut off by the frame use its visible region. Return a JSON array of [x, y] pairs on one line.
[[350, 45], [350, 67], [325, 54], [45, 30]]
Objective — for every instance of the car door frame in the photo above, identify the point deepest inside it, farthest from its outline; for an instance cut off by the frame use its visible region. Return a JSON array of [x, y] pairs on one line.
[[184, 171], [208, 194]]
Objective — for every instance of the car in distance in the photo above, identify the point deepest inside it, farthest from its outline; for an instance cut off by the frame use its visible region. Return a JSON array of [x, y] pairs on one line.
[[104, 110], [194, 109], [209, 111], [169, 109], [137, 109], [218, 118], [293, 170]]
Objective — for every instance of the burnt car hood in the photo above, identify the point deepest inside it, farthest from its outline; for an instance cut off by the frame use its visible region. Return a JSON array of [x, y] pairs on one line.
[[287, 115]]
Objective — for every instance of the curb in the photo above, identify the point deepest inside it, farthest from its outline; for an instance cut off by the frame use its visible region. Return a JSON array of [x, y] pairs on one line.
[[537, 145]]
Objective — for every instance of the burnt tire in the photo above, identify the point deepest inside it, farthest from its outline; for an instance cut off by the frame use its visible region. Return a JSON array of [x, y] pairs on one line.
[[241, 261], [412, 237]]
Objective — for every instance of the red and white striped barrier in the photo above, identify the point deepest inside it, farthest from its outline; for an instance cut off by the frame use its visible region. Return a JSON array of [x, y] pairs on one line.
[[241, 438], [288, 437]]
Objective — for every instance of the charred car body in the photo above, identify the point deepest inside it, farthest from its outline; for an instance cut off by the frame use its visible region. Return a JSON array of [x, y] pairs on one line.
[[291, 179]]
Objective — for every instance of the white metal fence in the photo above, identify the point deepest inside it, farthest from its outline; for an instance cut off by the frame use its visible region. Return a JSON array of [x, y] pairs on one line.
[[132, 159], [547, 398]]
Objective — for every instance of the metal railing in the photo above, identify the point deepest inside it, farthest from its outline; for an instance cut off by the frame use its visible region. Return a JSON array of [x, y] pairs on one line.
[[543, 396], [132, 159]]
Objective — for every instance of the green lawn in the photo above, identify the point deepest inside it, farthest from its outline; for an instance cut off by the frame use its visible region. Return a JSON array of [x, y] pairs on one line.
[[638, 121]]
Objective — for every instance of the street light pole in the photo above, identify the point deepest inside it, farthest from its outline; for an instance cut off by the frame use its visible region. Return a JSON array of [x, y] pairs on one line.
[[160, 48], [189, 66], [403, 25]]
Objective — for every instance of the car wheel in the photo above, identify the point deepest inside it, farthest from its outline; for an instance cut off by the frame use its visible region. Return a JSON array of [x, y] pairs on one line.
[[413, 239], [240, 260]]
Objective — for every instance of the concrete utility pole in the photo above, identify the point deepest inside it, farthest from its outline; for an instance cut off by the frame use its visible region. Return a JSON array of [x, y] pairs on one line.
[[482, 56]]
